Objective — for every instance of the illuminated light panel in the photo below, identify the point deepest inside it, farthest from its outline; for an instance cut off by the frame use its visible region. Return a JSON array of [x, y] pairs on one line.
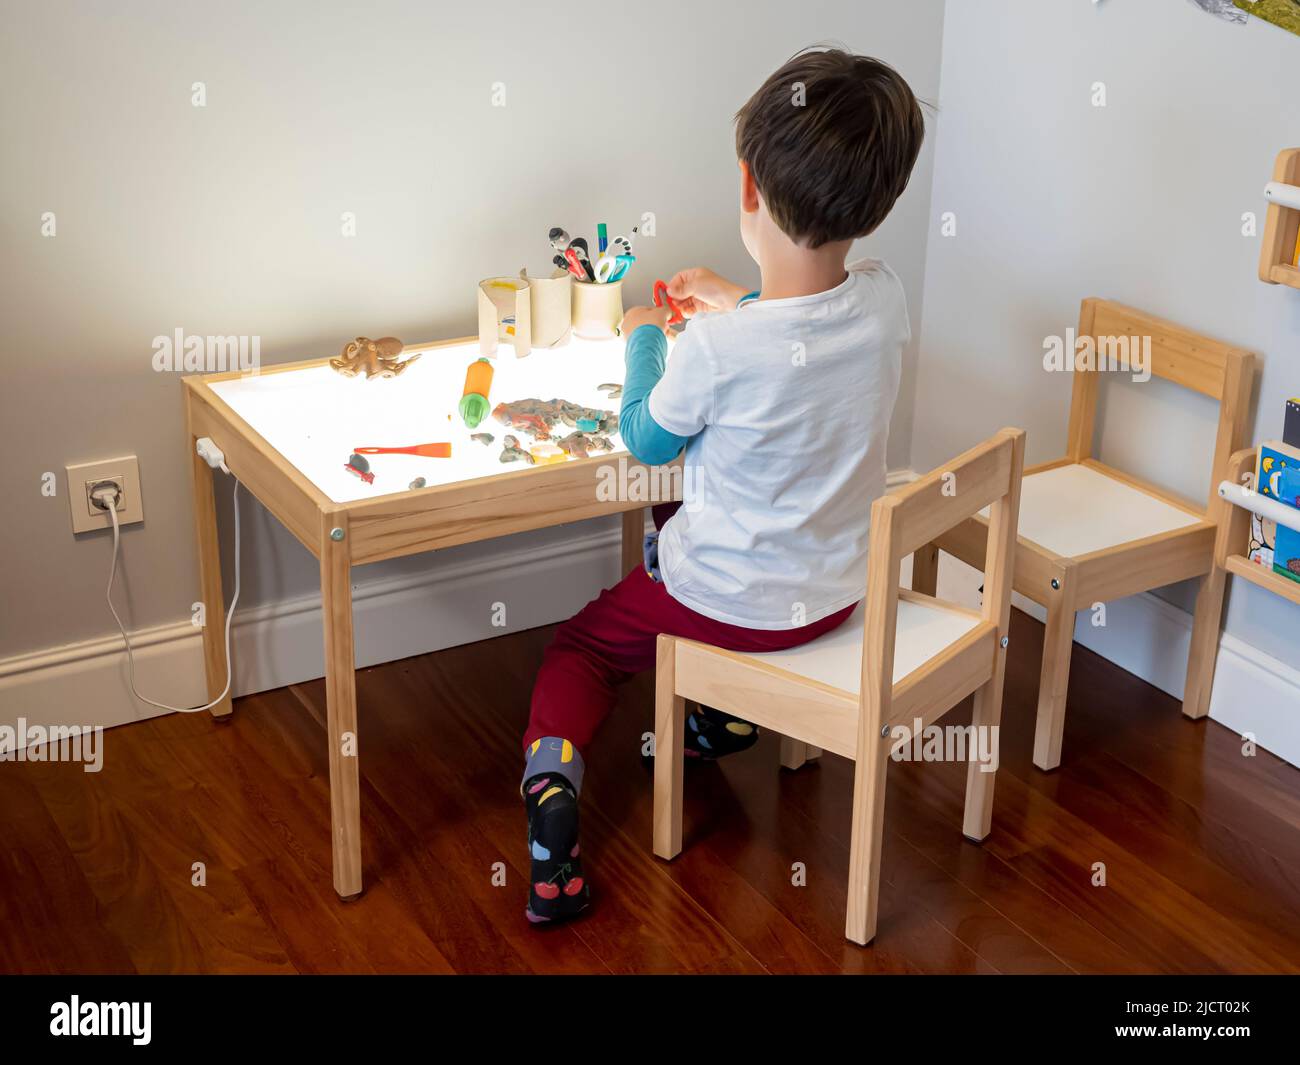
[[315, 417]]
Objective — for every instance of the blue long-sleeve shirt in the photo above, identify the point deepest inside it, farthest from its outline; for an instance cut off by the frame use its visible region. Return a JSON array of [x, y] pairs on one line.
[[645, 358]]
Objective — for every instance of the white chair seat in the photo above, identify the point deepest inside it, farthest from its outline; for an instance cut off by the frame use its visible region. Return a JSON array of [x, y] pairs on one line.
[[923, 631], [1074, 510]]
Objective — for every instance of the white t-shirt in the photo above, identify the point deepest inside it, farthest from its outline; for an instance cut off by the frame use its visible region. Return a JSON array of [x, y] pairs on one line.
[[787, 404]]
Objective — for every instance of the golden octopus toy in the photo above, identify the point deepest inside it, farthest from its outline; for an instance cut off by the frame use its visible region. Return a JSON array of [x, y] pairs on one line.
[[374, 358]]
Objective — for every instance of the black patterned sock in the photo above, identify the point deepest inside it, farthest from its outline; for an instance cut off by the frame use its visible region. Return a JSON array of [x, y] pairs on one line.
[[711, 734], [557, 889]]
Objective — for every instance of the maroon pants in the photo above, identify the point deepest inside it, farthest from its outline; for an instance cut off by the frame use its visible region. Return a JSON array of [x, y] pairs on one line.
[[614, 637]]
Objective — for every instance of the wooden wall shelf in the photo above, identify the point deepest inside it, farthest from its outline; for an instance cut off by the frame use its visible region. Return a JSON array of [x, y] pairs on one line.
[[1265, 578], [1281, 225]]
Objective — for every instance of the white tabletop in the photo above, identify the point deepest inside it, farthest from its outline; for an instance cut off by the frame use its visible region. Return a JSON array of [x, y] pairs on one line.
[[316, 417]]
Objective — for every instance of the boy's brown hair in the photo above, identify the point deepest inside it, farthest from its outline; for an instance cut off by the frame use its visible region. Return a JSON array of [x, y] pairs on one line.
[[830, 139]]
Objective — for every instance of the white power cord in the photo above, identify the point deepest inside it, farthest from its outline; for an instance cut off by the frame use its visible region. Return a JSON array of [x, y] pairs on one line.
[[107, 497]]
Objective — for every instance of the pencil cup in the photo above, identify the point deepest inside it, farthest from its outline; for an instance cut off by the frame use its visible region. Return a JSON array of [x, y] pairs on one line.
[[597, 309]]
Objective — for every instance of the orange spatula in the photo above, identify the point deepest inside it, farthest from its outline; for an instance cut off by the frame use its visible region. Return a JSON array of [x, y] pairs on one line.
[[428, 451]]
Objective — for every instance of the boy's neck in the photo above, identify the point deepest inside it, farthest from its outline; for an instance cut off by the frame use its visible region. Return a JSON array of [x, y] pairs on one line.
[[789, 270]]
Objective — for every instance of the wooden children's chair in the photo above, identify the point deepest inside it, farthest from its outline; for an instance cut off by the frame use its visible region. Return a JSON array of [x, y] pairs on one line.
[[900, 656], [1090, 533]]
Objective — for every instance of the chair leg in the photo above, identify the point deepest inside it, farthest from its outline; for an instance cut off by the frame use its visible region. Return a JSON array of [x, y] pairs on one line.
[[987, 715], [925, 569], [670, 726], [865, 844], [1203, 652], [795, 754], [1054, 681]]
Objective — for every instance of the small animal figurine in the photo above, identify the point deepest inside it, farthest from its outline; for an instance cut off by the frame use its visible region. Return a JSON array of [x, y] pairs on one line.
[[374, 358]]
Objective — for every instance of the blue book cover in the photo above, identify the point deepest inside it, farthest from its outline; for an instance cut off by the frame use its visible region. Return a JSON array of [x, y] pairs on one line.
[[1277, 474], [1286, 553], [1277, 461], [1278, 477]]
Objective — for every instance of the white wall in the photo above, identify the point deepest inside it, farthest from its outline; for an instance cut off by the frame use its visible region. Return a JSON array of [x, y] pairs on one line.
[[225, 220], [1139, 201]]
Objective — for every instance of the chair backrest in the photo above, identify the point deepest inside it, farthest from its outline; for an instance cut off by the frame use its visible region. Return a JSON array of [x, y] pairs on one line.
[[1207, 366], [985, 476]]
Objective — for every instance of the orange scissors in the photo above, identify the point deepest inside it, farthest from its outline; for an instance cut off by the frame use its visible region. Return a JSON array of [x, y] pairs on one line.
[[662, 297]]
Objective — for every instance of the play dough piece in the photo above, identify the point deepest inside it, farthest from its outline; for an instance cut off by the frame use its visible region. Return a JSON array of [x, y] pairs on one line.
[[545, 453], [512, 452], [539, 417]]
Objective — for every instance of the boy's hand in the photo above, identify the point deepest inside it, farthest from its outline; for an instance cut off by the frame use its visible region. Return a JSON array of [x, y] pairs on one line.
[[638, 316], [699, 290]]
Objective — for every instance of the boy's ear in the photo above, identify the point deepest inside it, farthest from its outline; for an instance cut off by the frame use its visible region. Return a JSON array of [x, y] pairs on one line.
[[748, 189]]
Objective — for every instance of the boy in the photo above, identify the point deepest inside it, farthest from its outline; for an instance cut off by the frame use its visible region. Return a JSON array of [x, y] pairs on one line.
[[781, 399]]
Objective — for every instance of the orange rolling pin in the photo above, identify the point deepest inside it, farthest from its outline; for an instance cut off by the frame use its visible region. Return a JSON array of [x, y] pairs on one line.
[[474, 405]]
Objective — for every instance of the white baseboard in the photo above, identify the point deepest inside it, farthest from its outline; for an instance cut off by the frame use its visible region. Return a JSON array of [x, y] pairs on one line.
[[1253, 692], [282, 643]]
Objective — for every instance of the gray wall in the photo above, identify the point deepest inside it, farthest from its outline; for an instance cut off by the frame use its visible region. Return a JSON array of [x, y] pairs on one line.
[[1139, 201], [225, 220]]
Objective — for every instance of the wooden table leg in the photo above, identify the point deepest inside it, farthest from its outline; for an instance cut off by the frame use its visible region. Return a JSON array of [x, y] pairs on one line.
[[795, 754], [633, 538], [341, 703], [214, 607]]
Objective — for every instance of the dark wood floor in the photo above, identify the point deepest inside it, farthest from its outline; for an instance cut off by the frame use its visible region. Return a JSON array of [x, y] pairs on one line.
[[1201, 845]]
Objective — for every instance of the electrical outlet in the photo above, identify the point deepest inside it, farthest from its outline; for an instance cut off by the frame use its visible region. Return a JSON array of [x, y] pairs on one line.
[[83, 477]]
